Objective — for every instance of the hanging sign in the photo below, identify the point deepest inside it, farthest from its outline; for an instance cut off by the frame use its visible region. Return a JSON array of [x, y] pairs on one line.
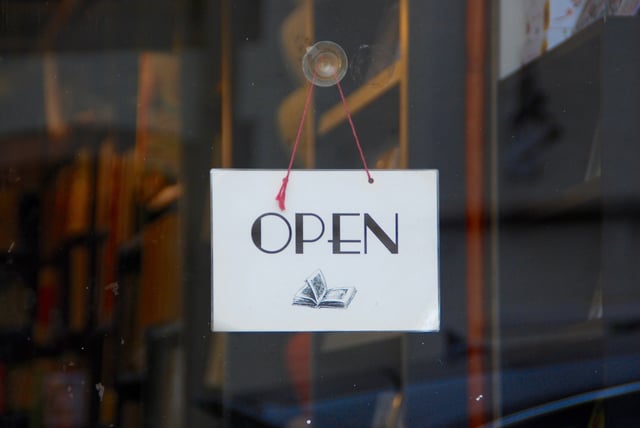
[[345, 254]]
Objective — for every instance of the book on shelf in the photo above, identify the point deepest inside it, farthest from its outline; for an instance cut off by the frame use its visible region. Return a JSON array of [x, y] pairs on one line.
[[62, 188], [80, 191], [9, 230], [107, 209], [15, 302], [48, 312], [69, 198], [125, 220], [78, 293], [315, 293], [106, 175], [107, 289], [160, 300], [55, 205]]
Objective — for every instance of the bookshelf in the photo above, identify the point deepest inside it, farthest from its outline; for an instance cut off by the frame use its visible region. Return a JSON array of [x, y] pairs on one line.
[[88, 216]]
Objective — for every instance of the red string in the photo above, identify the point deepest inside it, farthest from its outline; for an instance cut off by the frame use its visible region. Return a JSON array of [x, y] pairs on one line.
[[353, 130], [282, 194]]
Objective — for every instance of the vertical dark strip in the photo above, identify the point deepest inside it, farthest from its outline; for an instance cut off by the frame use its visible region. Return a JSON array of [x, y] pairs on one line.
[[226, 85], [474, 167], [436, 114], [201, 127]]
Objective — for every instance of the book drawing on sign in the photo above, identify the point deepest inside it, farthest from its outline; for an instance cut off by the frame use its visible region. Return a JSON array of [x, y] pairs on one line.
[[315, 293]]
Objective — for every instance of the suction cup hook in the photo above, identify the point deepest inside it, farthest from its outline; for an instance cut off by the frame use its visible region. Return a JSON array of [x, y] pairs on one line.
[[327, 61]]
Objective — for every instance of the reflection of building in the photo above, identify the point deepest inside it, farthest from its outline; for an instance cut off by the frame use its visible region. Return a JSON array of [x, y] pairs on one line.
[[531, 27]]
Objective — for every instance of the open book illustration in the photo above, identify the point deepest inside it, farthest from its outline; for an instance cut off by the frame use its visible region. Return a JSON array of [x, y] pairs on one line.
[[315, 293]]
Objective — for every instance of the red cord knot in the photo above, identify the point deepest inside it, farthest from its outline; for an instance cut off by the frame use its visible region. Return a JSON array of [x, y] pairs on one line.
[[282, 194]]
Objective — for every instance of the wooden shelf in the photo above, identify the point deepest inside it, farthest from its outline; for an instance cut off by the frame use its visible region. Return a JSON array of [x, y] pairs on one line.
[[371, 90]]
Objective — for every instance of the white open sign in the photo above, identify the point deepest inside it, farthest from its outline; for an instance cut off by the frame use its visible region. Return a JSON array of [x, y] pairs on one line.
[[345, 255]]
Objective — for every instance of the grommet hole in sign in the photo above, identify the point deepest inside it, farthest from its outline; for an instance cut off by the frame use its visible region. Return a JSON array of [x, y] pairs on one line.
[[324, 64]]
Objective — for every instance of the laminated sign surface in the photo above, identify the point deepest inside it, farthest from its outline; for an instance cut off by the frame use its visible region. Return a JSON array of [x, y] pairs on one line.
[[345, 255]]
